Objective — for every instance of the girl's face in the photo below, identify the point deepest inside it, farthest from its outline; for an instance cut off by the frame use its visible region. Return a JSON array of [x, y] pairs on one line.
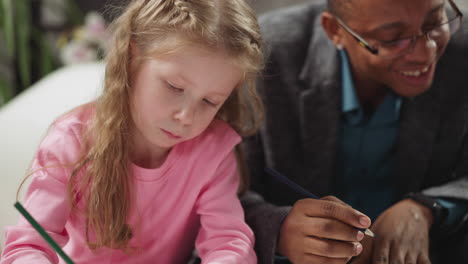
[[176, 96]]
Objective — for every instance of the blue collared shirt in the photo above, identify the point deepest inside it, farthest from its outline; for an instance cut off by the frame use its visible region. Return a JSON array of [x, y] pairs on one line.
[[366, 153]]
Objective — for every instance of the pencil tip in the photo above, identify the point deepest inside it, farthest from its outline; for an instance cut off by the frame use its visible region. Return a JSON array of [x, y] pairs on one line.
[[369, 233]]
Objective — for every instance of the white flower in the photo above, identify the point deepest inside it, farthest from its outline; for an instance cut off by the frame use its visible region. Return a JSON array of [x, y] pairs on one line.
[[77, 52], [85, 43], [95, 27]]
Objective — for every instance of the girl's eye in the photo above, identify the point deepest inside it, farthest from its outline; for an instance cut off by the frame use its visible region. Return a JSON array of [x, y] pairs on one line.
[[173, 88], [209, 102]]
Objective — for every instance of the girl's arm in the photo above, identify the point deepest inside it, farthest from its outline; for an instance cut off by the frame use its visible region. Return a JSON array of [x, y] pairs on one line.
[[46, 200], [224, 237]]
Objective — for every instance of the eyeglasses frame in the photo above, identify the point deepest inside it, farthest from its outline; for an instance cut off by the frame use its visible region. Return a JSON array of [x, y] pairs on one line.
[[375, 51]]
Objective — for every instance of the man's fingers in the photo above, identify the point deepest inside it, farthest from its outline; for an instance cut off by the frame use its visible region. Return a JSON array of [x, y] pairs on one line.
[[423, 259], [331, 229], [411, 258], [334, 199], [397, 253], [314, 259], [365, 256], [331, 248], [334, 210], [380, 251]]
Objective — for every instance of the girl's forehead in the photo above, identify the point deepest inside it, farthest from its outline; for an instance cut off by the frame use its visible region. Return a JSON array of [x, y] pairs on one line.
[[187, 53], [195, 67], [176, 43]]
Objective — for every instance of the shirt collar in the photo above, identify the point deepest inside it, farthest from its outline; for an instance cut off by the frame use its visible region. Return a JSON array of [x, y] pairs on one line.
[[349, 98], [387, 112]]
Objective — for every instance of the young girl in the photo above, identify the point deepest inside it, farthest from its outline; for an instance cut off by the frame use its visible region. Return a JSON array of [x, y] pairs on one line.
[[148, 171]]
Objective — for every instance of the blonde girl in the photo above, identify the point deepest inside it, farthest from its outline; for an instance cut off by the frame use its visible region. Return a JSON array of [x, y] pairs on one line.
[[147, 172]]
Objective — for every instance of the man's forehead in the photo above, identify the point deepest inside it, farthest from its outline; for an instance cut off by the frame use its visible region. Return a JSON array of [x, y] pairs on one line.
[[351, 7], [389, 11]]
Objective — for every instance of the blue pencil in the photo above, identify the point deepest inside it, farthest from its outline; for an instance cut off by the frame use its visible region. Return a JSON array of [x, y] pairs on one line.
[[299, 189]]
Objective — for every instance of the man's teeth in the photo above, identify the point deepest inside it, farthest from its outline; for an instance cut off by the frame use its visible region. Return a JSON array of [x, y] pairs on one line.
[[415, 73]]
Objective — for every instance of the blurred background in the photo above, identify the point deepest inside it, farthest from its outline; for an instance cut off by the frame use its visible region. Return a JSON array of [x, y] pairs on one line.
[[39, 36]]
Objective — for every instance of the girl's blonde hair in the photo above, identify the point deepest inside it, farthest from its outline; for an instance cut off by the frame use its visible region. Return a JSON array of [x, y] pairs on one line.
[[150, 25]]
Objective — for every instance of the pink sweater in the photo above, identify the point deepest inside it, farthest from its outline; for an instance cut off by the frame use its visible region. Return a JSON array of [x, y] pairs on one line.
[[189, 201]]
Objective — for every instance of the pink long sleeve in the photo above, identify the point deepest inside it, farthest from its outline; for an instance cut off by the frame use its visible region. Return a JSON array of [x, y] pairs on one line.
[[190, 201], [224, 237], [46, 201]]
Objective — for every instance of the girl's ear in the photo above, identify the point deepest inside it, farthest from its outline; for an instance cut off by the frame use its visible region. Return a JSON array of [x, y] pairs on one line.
[[331, 27], [134, 55], [134, 51]]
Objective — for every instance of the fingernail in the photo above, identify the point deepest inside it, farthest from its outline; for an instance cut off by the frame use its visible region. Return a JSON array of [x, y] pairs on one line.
[[360, 236], [358, 248], [365, 221]]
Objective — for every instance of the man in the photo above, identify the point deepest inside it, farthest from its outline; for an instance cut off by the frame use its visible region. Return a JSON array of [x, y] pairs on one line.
[[366, 100]]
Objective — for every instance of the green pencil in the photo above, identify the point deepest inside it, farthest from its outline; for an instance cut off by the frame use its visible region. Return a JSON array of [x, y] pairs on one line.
[[43, 233]]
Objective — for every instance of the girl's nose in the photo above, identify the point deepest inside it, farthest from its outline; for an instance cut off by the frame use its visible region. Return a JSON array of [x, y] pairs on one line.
[[185, 114]]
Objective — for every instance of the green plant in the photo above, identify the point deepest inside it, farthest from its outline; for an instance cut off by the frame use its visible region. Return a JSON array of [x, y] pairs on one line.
[[21, 35]]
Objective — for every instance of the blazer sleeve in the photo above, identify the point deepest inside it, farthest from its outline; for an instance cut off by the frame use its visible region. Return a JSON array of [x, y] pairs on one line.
[[455, 95], [458, 187], [264, 218]]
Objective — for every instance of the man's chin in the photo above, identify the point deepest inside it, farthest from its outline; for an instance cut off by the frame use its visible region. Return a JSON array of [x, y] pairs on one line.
[[411, 91], [414, 93]]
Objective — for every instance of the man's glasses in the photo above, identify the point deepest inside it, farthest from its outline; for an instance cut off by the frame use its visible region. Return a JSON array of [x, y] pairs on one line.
[[399, 47]]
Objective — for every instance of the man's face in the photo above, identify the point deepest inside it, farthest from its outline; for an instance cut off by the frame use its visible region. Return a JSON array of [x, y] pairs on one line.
[[384, 21]]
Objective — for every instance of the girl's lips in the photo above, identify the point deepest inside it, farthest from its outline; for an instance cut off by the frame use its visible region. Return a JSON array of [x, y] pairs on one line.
[[169, 134]]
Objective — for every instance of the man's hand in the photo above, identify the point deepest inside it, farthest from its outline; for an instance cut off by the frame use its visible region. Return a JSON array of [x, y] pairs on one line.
[[322, 231], [402, 236]]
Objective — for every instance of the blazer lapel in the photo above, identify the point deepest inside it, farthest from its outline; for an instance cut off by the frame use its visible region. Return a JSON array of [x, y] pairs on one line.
[[320, 116], [419, 123], [320, 112]]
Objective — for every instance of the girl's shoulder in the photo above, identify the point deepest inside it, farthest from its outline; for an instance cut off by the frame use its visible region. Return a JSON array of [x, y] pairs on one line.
[[78, 116], [218, 139], [63, 144], [220, 132], [75, 121], [65, 134]]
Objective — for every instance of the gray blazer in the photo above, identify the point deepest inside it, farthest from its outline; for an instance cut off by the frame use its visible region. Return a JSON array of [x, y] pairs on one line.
[[301, 88]]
